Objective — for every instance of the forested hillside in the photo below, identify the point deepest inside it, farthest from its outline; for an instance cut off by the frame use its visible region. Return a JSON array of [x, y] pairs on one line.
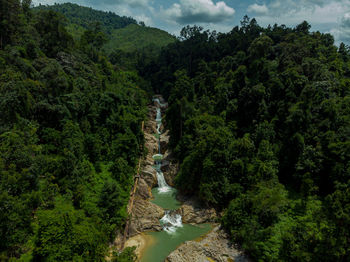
[[123, 40], [135, 37], [135, 45], [260, 120], [85, 16], [70, 137]]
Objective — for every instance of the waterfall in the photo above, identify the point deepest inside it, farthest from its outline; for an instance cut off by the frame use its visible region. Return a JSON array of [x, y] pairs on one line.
[[162, 185], [158, 127], [159, 116], [171, 221], [159, 103], [159, 120]]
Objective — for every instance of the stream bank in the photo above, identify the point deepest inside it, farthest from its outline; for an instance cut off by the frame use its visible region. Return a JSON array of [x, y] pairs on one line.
[[159, 221], [215, 246]]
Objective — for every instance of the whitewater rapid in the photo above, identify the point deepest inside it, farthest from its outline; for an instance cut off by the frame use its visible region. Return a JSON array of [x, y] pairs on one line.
[[170, 221]]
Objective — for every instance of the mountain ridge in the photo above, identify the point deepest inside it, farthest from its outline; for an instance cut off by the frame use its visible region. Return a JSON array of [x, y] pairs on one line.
[[123, 33], [84, 16]]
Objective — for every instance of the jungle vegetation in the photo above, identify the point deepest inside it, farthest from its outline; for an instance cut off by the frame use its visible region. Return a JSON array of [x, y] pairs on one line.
[[128, 44], [70, 138], [260, 121]]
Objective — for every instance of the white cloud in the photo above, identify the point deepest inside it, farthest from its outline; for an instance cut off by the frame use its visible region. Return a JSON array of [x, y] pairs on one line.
[[324, 15], [346, 20], [131, 3], [198, 11], [309, 9], [144, 18], [314, 14], [342, 32], [258, 9]]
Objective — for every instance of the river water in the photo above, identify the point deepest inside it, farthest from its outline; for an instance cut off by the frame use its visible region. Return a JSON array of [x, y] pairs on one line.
[[164, 243], [174, 232]]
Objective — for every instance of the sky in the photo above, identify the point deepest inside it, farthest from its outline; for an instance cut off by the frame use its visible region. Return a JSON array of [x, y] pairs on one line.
[[329, 16]]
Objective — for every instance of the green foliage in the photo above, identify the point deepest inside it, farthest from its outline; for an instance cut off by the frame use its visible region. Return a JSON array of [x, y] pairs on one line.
[[127, 255], [112, 202], [84, 16], [54, 37], [70, 135], [135, 37], [15, 219], [9, 21], [65, 234], [259, 119], [136, 46], [128, 44], [122, 173]]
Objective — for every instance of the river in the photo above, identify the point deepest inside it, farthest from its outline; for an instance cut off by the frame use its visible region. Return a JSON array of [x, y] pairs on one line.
[[174, 232]]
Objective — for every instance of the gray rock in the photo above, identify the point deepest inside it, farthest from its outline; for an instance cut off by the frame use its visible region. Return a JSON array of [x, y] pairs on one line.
[[169, 171], [194, 215], [148, 173], [145, 216], [143, 190], [213, 247]]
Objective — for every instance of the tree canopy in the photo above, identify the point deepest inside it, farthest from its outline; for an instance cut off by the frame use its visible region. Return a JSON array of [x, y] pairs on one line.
[[259, 119], [70, 137]]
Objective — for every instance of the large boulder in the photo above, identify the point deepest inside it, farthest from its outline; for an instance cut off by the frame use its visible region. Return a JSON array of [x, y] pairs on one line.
[[213, 247], [170, 169], [145, 217], [164, 141], [193, 215], [149, 174], [143, 190], [150, 127], [151, 143]]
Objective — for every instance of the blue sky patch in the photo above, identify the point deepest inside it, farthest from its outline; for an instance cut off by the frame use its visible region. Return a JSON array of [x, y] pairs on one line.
[[332, 16]]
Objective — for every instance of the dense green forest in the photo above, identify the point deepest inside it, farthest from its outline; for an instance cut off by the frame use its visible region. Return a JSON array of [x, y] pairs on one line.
[[85, 16], [70, 137], [260, 121], [126, 43], [134, 46], [135, 38]]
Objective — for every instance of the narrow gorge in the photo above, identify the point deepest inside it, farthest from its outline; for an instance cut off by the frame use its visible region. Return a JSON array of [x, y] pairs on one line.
[[165, 226]]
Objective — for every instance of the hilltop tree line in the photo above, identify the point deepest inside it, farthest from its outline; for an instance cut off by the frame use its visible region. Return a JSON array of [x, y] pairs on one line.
[[260, 121], [85, 16], [70, 137], [125, 42]]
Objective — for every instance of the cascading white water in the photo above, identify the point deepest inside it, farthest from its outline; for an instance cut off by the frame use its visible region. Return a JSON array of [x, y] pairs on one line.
[[159, 120], [159, 115], [171, 222], [159, 124], [158, 127], [162, 185], [159, 103]]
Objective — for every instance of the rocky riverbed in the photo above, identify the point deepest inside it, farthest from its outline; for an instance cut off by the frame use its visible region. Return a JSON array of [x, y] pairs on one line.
[[215, 246], [146, 216]]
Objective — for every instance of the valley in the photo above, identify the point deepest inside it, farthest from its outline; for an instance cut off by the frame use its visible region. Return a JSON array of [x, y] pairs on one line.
[[169, 222], [121, 142]]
